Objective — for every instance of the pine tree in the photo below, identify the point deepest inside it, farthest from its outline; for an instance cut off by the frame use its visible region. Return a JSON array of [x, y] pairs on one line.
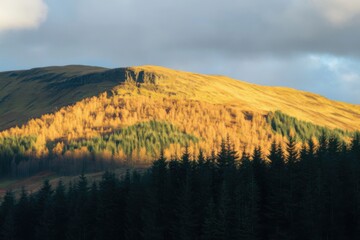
[[222, 157], [292, 153], [323, 146], [247, 199], [355, 145], [232, 155], [82, 213], [152, 229], [41, 213], [45, 228], [311, 149], [111, 208], [24, 224], [201, 186], [184, 228], [201, 159], [276, 156], [291, 207], [60, 211], [185, 164], [135, 208], [159, 172], [7, 231], [259, 167], [92, 208], [214, 224], [276, 186]]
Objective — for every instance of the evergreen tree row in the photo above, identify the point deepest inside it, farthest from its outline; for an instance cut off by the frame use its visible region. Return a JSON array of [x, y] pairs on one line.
[[288, 126], [309, 194]]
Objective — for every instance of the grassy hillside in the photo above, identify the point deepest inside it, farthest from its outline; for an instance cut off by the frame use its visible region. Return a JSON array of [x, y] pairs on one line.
[[251, 97], [201, 108], [32, 93]]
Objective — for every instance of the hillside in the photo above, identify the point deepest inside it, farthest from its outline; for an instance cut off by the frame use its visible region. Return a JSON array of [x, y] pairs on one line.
[[251, 97], [103, 109], [32, 93]]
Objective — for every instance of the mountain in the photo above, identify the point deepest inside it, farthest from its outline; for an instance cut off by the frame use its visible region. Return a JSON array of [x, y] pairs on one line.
[[131, 113], [31, 93]]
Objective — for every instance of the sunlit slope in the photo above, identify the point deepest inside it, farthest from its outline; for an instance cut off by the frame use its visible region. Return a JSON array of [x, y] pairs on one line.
[[251, 97], [200, 110], [31, 93]]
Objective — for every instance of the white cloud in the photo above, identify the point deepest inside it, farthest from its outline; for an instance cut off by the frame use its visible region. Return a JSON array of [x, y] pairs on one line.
[[338, 12], [350, 77], [21, 14]]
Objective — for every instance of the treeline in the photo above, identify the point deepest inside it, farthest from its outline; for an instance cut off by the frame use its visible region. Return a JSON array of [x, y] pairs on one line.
[[14, 150], [23, 156], [19, 155], [309, 194], [289, 126]]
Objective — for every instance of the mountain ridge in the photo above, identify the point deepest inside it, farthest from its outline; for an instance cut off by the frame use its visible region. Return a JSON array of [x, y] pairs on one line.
[[210, 88], [265, 98]]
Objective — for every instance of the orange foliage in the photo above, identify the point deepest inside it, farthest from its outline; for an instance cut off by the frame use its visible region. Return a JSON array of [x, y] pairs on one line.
[[98, 115]]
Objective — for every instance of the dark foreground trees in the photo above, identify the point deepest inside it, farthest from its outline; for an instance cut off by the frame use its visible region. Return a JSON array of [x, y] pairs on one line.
[[310, 194]]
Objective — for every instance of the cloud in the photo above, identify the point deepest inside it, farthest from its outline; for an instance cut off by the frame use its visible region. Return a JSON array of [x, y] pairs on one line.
[[157, 31], [296, 43], [351, 77], [338, 12], [21, 14]]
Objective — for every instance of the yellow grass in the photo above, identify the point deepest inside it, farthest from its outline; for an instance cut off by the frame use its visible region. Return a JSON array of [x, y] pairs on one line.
[[251, 97]]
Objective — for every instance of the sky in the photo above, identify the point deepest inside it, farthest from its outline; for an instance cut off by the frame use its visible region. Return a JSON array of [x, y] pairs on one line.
[[311, 45]]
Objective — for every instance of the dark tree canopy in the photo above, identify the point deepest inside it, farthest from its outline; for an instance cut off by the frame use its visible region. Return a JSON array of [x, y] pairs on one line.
[[289, 194]]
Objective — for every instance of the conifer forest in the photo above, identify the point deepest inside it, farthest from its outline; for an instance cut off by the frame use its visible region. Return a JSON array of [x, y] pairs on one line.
[[307, 193]]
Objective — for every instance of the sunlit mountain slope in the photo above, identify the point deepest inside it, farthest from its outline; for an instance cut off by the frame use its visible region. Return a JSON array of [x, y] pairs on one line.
[[249, 97], [189, 109]]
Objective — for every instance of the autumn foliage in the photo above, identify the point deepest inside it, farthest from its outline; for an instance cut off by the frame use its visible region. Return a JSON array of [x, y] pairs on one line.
[[112, 125]]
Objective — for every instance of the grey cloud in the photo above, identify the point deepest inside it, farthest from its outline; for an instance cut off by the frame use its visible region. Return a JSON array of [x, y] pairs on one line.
[[240, 28], [243, 39]]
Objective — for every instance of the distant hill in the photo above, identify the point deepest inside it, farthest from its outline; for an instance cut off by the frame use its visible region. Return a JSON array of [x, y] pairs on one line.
[[131, 113]]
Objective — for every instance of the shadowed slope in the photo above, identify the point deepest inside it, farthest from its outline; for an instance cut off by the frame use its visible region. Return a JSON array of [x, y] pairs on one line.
[[31, 93]]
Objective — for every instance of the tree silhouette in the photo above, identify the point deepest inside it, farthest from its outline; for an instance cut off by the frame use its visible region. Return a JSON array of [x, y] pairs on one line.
[[313, 194]]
